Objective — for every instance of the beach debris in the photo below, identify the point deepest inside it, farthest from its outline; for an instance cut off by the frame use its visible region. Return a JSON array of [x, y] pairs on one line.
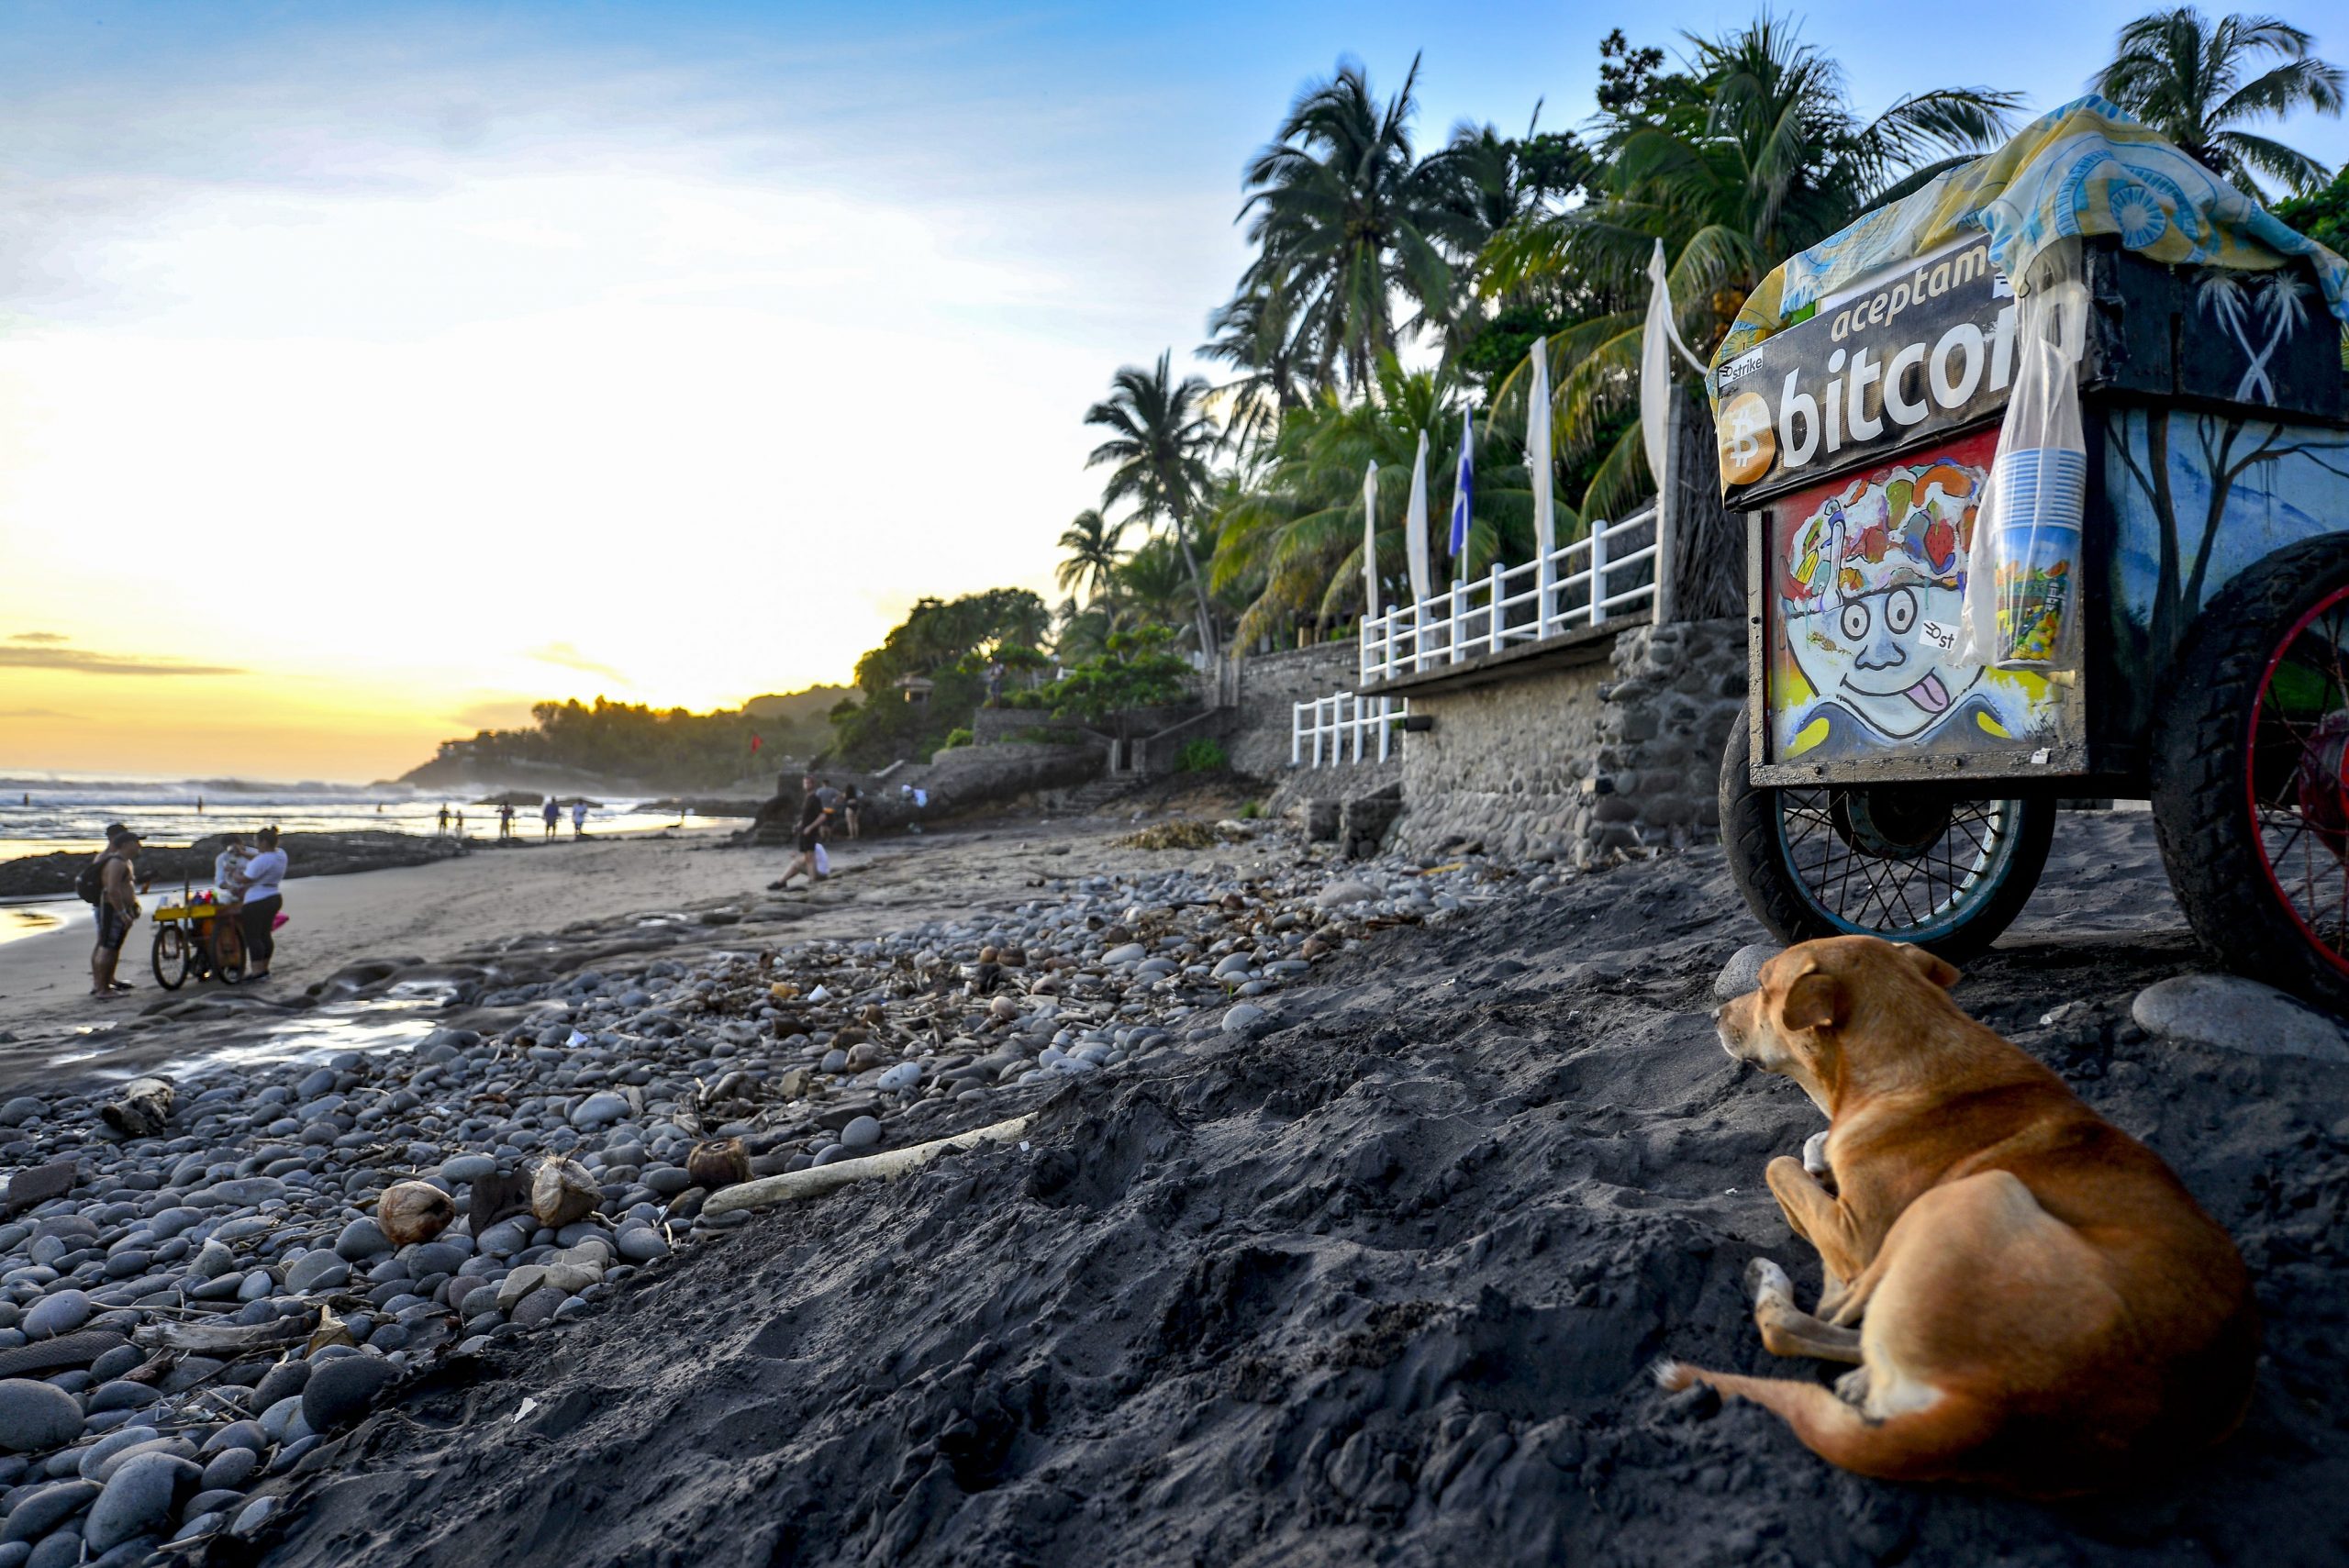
[[222, 1339], [719, 1162], [331, 1330], [414, 1211], [817, 1179], [561, 1191], [39, 1185], [1180, 834], [144, 1109]]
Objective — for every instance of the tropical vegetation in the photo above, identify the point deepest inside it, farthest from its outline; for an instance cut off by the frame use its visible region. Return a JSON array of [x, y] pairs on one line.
[[2199, 81]]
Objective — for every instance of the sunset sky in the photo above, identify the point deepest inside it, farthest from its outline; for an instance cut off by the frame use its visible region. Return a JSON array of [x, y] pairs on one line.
[[368, 371]]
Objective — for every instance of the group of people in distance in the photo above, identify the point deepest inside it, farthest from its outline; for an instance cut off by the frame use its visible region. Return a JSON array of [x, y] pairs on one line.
[[820, 807], [247, 880], [550, 814]]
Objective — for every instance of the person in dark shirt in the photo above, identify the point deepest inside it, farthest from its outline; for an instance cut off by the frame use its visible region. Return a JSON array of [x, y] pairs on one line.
[[814, 817]]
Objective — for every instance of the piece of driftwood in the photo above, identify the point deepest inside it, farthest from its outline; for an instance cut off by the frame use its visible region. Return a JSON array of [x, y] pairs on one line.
[[225, 1339], [144, 1109], [817, 1179], [39, 1185], [66, 1353]]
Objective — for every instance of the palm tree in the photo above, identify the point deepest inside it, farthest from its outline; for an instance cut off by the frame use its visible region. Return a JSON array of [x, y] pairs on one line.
[[1295, 539], [2182, 75], [1756, 154], [1257, 333], [1340, 214], [1158, 457], [1091, 541]]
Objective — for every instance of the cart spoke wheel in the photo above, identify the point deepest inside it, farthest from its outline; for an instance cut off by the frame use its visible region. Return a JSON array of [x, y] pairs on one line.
[[173, 953], [1907, 863], [2296, 775]]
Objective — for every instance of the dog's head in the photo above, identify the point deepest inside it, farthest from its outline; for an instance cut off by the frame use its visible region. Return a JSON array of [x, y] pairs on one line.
[[1798, 1022]]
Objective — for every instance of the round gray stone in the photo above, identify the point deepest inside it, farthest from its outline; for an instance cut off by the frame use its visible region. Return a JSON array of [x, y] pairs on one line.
[[38, 1513], [1742, 973], [59, 1312], [2231, 1013], [363, 1238], [864, 1132], [341, 1389], [1243, 1016], [599, 1110], [231, 1467], [252, 1517], [138, 1501], [36, 1415], [643, 1244], [317, 1269], [468, 1167]]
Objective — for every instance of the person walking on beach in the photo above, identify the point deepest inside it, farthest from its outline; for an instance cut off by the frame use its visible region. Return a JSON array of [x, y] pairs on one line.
[[505, 821], [444, 819], [552, 813], [263, 899], [579, 817], [851, 805], [117, 907], [813, 816]]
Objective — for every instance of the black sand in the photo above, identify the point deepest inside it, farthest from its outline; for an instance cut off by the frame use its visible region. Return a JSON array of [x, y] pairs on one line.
[[1379, 1285]]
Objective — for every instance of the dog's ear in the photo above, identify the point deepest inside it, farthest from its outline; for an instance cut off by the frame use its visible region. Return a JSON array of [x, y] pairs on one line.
[[1814, 1000], [1940, 971]]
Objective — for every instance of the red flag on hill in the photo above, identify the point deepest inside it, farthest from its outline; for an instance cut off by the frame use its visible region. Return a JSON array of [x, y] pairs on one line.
[[755, 744]]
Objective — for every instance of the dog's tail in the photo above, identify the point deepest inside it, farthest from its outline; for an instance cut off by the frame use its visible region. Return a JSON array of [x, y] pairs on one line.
[[1931, 1444]]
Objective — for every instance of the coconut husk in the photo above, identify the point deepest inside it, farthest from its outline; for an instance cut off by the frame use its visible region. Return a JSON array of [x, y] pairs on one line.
[[562, 1193], [719, 1162], [414, 1211]]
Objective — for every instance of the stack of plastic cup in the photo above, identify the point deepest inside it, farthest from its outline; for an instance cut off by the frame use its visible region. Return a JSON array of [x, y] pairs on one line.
[[2041, 493]]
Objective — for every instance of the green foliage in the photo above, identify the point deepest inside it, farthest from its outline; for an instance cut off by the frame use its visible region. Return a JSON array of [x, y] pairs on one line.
[[1250, 809], [949, 643], [670, 748], [957, 738], [2322, 215], [1202, 756], [1135, 670]]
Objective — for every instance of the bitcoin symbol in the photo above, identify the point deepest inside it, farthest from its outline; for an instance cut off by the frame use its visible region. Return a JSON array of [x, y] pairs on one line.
[[1748, 445]]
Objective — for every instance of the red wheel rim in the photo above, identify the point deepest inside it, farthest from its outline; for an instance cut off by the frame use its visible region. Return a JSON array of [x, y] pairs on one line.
[[2296, 776]]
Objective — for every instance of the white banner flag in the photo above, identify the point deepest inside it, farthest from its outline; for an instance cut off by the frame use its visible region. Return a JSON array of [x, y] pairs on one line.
[[1370, 541], [1415, 525], [1656, 341]]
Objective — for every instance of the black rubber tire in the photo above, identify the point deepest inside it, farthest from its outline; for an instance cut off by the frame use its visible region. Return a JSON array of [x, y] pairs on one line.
[[173, 956], [1752, 833], [2201, 739]]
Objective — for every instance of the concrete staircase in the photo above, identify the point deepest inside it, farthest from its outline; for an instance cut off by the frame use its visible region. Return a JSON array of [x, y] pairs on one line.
[[1089, 799]]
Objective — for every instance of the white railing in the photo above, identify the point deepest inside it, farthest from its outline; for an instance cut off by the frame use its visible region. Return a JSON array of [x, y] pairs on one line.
[[1322, 731], [1570, 589]]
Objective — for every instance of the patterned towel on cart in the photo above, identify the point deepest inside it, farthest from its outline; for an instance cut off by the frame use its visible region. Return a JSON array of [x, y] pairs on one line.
[[2088, 168]]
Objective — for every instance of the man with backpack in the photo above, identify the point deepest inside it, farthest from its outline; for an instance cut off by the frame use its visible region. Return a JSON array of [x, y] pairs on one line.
[[108, 884]]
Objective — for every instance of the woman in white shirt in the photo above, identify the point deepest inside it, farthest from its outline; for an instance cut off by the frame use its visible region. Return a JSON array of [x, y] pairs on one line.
[[263, 899]]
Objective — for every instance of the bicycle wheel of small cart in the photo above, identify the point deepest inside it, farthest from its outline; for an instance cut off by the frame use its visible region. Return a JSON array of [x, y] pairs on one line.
[[2250, 772], [227, 951], [173, 953], [1917, 863]]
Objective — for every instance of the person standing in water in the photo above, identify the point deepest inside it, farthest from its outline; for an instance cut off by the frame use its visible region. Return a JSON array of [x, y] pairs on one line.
[[444, 819], [579, 817], [263, 898], [553, 815]]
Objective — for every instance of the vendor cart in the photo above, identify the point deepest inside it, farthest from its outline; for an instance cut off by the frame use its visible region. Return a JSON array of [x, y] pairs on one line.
[[1893, 779], [197, 937]]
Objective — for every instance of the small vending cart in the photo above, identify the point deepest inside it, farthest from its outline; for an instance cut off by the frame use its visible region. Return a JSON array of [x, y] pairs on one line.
[[2188, 645]]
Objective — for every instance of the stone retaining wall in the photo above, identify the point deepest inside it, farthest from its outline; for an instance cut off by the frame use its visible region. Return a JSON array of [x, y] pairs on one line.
[[1270, 685], [1662, 722]]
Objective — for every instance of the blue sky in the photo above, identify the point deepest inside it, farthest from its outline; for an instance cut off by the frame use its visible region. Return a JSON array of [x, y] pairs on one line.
[[662, 350]]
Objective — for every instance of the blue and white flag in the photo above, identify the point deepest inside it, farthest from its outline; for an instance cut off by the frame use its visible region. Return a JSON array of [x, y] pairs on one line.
[[1462, 486]]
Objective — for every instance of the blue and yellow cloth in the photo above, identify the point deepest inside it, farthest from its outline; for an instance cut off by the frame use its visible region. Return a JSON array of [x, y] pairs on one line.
[[2085, 169]]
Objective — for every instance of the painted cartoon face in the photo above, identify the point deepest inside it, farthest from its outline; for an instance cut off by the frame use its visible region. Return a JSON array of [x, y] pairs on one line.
[[1874, 590]]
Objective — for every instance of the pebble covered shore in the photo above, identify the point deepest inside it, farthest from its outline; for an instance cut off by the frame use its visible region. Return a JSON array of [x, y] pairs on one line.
[[253, 1220]]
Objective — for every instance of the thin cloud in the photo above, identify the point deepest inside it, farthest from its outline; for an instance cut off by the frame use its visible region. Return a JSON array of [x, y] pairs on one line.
[[83, 662], [45, 638], [32, 712], [569, 658]]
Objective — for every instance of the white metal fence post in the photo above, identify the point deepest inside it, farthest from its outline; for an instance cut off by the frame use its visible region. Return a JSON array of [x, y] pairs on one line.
[[1459, 616], [1295, 734], [1494, 632], [1598, 571]]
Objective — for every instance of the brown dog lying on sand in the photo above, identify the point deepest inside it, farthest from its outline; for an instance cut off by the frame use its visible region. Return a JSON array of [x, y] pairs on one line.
[[2040, 1305]]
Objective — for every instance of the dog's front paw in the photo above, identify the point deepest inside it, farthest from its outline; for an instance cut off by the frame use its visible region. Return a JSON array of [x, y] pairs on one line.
[[1814, 1160]]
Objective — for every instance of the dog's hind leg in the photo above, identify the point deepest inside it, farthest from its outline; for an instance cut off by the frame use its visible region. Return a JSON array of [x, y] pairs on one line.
[[1786, 1329]]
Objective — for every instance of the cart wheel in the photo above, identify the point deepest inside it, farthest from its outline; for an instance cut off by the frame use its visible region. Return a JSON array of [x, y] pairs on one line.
[[174, 954], [227, 951], [2250, 779], [1908, 863]]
